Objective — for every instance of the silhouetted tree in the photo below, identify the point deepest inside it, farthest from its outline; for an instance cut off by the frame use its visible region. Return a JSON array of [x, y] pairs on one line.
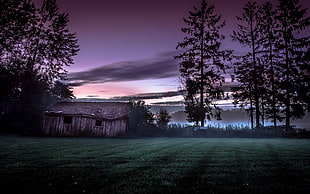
[[193, 109], [280, 68], [202, 61], [294, 80], [163, 118], [243, 92], [270, 58], [15, 19], [36, 46], [305, 68], [140, 117], [61, 90], [249, 34]]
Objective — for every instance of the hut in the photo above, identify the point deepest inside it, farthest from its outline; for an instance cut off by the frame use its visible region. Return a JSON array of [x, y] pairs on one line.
[[86, 119]]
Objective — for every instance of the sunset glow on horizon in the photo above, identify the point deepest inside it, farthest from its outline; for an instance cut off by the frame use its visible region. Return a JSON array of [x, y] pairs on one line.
[[128, 47]]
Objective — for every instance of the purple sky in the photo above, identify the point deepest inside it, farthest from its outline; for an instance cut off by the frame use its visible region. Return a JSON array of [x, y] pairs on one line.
[[127, 46]]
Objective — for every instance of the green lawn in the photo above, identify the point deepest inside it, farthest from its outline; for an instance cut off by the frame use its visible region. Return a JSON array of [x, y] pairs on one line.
[[154, 165]]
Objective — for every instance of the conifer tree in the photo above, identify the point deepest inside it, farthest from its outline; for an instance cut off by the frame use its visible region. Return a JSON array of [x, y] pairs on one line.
[[270, 57], [243, 92], [249, 35], [202, 63], [293, 47]]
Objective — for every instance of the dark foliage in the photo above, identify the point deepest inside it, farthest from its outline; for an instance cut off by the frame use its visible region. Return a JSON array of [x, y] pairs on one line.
[[202, 62], [294, 81], [141, 119], [163, 118], [248, 72], [35, 48], [274, 77]]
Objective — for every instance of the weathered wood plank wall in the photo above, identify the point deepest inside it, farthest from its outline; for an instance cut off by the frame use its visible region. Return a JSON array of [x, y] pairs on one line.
[[54, 125]]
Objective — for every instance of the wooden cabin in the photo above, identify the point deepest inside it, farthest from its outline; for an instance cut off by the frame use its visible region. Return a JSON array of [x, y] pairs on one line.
[[86, 119]]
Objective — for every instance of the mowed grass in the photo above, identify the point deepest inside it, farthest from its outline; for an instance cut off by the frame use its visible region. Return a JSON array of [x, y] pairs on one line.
[[154, 165]]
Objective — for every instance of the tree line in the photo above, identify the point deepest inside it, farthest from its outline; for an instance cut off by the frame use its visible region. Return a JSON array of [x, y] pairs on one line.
[[272, 76], [35, 47]]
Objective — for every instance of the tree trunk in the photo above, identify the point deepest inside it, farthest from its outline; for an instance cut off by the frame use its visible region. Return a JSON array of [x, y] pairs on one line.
[[273, 91], [287, 82], [256, 97], [251, 109], [202, 121]]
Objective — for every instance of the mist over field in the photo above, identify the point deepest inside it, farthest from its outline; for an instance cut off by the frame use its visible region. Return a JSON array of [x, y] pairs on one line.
[[230, 116]]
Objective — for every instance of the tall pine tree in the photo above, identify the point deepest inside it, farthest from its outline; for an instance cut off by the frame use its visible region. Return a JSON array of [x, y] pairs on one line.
[[202, 63], [293, 50], [243, 92], [270, 58], [249, 35]]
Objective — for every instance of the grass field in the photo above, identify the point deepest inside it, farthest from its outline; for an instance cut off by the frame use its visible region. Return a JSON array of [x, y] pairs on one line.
[[154, 165]]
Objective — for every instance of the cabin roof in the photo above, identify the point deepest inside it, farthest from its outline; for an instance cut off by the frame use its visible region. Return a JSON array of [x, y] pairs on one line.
[[103, 110]]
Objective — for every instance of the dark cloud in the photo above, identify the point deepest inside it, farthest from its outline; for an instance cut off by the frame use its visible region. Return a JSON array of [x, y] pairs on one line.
[[92, 96], [162, 66], [142, 96], [169, 103], [148, 96], [77, 83]]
